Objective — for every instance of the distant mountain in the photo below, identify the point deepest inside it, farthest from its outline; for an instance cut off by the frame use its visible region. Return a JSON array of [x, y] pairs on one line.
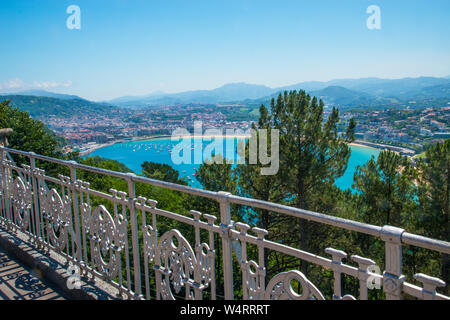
[[156, 94], [362, 92], [334, 96], [43, 93], [340, 96], [348, 92], [240, 91], [352, 84], [228, 92], [39, 107], [371, 92], [398, 88], [441, 91]]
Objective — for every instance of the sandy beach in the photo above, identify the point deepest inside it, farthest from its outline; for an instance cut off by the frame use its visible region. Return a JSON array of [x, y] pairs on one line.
[[400, 150], [98, 146], [355, 144]]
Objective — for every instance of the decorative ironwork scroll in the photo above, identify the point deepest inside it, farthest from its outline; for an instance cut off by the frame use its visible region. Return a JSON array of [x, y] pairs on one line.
[[106, 235], [22, 201], [177, 266], [280, 287], [57, 212]]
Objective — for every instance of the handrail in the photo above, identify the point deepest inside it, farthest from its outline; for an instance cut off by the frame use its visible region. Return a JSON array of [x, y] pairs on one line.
[[26, 202], [373, 230]]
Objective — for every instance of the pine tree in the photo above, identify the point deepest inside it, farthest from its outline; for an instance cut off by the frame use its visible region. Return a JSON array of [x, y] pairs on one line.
[[434, 194], [387, 189], [312, 156]]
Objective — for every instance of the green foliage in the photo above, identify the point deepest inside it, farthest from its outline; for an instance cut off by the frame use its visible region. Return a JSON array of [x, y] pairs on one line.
[[42, 107], [162, 172], [434, 195], [217, 175], [311, 152], [387, 189], [312, 156], [29, 134], [103, 182], [434, 190]]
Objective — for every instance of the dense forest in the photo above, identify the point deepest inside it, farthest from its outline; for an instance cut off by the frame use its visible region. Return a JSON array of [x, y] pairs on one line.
[[391, 190]]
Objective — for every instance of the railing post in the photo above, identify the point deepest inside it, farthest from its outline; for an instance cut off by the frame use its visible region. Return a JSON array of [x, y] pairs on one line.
[[134, 234], [7, 204], [363, 274], [225, 224], [429, 285], [35, 198], [392, 276], [76, 209], [3, 185], [336, 264]]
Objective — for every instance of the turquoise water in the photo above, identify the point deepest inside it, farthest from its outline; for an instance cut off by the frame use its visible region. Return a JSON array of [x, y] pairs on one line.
[[132, 154], [359, 156]]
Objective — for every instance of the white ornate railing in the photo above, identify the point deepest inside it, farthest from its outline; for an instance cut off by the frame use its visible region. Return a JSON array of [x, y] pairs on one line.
[[114, 246]]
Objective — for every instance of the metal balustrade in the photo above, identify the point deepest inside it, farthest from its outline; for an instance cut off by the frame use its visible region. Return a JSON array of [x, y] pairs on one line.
[[58, 214]]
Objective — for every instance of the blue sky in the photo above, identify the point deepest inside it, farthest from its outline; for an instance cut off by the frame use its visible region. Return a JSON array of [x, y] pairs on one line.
[[133, 47]]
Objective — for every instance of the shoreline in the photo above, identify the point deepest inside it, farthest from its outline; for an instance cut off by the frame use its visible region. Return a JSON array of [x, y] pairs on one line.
[[356, 143], [401, 150], [98, 146]]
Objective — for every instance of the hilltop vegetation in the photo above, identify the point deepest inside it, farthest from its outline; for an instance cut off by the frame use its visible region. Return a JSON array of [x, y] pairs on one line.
[[42, 107], [28, 134]]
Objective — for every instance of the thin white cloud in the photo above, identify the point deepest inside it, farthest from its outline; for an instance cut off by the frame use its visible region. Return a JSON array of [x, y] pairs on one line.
[[51, 84], [18, 85], [12, 84]]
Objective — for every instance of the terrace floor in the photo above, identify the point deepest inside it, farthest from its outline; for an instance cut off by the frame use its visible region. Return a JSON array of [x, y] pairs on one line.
[[18, 282]]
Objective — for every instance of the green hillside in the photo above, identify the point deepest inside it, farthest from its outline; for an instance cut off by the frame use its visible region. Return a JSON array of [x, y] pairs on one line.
[[40, 107]]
